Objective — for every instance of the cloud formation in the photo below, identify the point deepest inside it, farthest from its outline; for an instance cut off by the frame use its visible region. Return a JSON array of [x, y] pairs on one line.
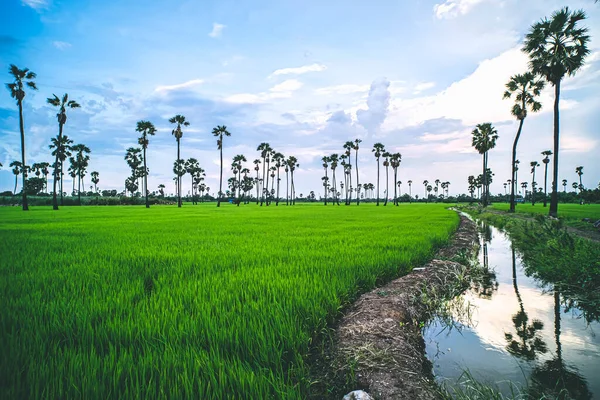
[[61, 45], [454, 8], [217, 30], [377, 106], [184, 85], [35, 4], [300, 70]]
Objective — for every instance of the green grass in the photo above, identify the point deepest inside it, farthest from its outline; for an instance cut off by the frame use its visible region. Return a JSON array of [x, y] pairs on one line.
[[570, 212], [198, 302]]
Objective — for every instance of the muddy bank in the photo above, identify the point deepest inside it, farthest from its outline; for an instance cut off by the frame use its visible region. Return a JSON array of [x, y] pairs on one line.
[[378, 346]]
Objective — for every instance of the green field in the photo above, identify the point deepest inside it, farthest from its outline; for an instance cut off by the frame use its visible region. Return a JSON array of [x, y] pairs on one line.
[[566, 211], [197, 302]]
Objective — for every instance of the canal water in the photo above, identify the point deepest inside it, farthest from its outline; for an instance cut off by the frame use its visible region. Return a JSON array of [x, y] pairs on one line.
[[517, 330]]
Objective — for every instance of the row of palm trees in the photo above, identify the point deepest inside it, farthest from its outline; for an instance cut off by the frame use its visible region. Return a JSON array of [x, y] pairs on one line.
[[557, 47]]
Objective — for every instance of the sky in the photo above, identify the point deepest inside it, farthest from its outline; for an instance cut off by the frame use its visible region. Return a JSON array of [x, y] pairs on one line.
[[304, 76]]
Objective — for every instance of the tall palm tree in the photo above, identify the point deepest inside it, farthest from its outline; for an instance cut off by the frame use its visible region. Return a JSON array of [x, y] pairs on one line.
[[395, 160], [180, 121], [484, 139], [22, 78], [564, 183], [333, 163], [425, 183], [62, 104], [325, 160], [257, 168], [61, 146], [349, 146], [526, 89], [357, 143], [179, 171], [95, 180], [378, 150], [534, 165], [161, 190], [265, 150], [191, 167], [557, 47], [292, 162], [81, 161], [146, 128], [386, 163], [579, 171], [546, 160], [17, 168], [279, 160], [410, 190], [219, 132]]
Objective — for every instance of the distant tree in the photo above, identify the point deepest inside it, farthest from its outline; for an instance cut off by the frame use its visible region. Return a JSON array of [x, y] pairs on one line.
[[61, 149], [378, 150], [22, 78], [191, 167], [146, 128], [386, 163], [80, 163], [265, 152], [428, 188], [357, 143], [161, 190], [95, 180], [410, 189], [564, 183], [534, 165], [425, 183], [180, 121], [348, 147], [333, 164], [526, 89], [179, 171], [17, 168], [484, 139], [395, 160], [279, 160], [220, 131], [256, 163], [579, 171], [557, 47], [546, 160], [325, 160], [292, 162]]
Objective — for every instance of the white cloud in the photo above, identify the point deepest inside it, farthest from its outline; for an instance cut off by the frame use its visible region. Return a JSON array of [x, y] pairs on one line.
[[300, 70], [453, 8], [342, 89], [287, 86], [377, 103], [423, 86], [61, 45], [282, 90], [184, 85], [216, 30], [35, 4]]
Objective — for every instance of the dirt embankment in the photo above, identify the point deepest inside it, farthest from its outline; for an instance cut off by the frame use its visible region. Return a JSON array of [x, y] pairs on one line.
[[378, 346]]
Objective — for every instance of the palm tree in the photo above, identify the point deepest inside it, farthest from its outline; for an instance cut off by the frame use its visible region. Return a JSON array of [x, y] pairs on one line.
[[564, 183], [22, 77], [292, 162], [546, 160], [219, 132], [349, 146], [378, 150], [579, 171], [386, 163], [472, 184], [265, 150], [62, 150], [524, 187], [534, 165], [526, 89], [146, 128], [17, 168], [425, 183], [557, 47], [325, 160], [333, 163], [191, 167], [574, 185], [178, 133], [161, 189], [279, 160], [257, 168], [357, 142], [62, 105], [484, 139], [80, 162], [428, 189], [179, 171], [95, 180], [395, 160]]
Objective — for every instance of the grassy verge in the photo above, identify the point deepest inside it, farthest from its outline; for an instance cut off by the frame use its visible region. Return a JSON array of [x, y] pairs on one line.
[[571, 214], [198, 302]]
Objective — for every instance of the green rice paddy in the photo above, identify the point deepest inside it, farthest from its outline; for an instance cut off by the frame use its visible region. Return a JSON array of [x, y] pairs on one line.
[[197, 302], [567, 211]]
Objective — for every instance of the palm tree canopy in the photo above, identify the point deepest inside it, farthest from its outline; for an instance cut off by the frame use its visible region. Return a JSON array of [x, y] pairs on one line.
[[378, 149], [557, 46], [527, 88], [484, 137], [21, 77]]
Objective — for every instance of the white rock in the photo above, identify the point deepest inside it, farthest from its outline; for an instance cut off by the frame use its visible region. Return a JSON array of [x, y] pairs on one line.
[[358, 395]]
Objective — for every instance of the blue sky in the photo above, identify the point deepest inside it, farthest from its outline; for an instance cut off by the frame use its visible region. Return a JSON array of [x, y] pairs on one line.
[[303, 76]]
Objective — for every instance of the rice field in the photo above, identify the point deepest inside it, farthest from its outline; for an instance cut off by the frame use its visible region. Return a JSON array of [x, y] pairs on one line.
[[197, 302]]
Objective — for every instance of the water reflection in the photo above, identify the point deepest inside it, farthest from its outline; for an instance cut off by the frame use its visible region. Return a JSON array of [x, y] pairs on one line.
[[529, 342], [510, 336], [553, 379]]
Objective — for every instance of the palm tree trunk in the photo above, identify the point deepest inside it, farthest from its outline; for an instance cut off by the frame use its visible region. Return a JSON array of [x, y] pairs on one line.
[[378, 181], [257, 187], [178, 184], [325, 186], [79, 188], [220, 174], [533, 188], [545, 184], [513, 169], [146, 179], [357, 181], [22, 129], [395, 186], [277, 200], [387, 186], [483, 200], [287, 187], [16, 181], [349, 180], [54, 198], [293, 189], [554, 197], [262, 193]]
